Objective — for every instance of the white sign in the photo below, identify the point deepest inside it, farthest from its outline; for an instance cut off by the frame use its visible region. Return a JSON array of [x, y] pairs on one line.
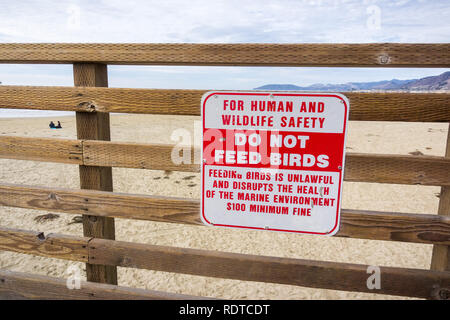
[[273, 160]]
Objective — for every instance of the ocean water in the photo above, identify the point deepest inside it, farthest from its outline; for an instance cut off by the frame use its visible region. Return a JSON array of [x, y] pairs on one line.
[[25, 113]]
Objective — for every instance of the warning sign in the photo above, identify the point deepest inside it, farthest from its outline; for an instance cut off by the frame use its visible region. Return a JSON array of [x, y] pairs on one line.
[[273, 160]]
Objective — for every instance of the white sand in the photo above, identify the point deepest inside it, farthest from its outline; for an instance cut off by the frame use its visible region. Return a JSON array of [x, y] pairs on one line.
[[395, 138]]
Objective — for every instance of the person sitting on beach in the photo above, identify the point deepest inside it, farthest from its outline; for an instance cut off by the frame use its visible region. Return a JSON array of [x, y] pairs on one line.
[[51, 125], [58, 126]]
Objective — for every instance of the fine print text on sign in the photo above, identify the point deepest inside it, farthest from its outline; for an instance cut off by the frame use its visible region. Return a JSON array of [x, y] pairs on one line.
[[273, 160]]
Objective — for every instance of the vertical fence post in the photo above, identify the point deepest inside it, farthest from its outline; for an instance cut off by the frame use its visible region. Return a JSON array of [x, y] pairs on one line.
[[441, 254], [95, 126]]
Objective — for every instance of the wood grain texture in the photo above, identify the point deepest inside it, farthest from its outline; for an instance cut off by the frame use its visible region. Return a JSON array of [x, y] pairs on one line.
[[316, 274], [243, 54], [52, 245], [379, 168], [409, 107], [395, 226], [135, 155], [417, 228], [397, 169], [95, 126], [41, 149], [441, 254], [418, 107], [306, 273], [25, 286], [102, 204]]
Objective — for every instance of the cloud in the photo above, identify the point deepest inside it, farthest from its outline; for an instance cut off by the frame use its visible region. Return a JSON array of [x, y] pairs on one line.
[[222, 21], [231, 21]]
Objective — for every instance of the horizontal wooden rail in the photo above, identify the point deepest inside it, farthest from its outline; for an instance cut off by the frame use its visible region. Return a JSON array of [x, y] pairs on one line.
[[418, 228], [394, 226], [424, 170], [136, 155], [41, 149], [19, 286], [52, 245], [418, 107], [244, 54], [397, 169], [307, 273], [379, 168]]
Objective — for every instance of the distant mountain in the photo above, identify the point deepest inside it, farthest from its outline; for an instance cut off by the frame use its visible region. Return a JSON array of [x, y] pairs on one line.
[[441, 82]]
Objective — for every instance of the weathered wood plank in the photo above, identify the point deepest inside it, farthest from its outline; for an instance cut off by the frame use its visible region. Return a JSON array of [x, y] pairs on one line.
[[441, 254], [390, 106], [418, 107], [306, 273], [134, 155], [95, 126], [418, 228], [18, 285], [397, 169], [394, 226], [400, 169], [41, 149], [243, 54], [102, 204], [52, 245], [424, 170], [317, 274]]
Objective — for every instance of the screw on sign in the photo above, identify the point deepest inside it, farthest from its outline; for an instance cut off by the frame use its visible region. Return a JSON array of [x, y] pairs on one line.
[[273, 160]]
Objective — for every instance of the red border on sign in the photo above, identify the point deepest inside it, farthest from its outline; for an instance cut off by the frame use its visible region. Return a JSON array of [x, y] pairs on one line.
[[275, 94]]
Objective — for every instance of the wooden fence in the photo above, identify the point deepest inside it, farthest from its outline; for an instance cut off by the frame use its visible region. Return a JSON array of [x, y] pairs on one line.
[[95, 154]]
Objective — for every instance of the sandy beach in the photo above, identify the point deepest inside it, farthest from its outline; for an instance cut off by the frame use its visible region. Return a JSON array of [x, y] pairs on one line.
[[373, 137]]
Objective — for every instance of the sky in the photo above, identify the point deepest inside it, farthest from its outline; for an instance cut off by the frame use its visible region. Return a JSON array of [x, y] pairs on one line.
[[228, 21]]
